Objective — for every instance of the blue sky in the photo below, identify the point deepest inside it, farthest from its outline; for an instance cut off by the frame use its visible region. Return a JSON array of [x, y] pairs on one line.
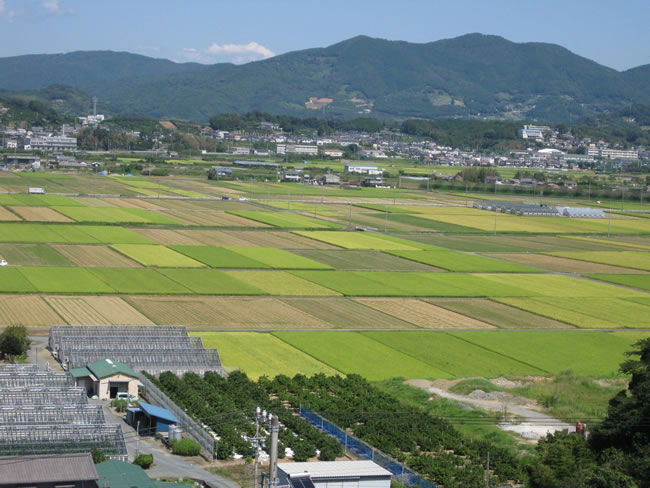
[[615, 34]]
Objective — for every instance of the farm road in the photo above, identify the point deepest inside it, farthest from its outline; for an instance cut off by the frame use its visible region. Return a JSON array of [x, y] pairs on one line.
[[166, 465], [533, 424]]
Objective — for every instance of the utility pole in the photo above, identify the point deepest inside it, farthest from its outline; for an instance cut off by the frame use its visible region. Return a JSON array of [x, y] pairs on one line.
[[137, 441], [257, 440], [487, 471], [385, 217], [273, 468]]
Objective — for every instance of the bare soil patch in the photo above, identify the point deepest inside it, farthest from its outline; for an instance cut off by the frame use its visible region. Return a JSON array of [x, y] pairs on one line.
[[40, 214]]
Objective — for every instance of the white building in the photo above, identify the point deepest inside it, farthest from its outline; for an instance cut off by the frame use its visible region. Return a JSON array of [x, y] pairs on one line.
[[296, 149], [334, 474], [52, 143], [333, 153], [239, 150], [606, 153], [363, 169], [10, 144], [535, 134], [373, 153]]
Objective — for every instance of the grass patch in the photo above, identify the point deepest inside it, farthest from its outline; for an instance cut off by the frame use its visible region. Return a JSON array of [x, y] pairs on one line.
[[219, 257], [262, 354], [351, 352], [641, 281], [277, 258], [65, 280], [361, 240], [156, 255], [12, 280], [589, 353], [32, 255], [211, 282], [450, 354], [570, 396], [456, 261], [281, 283], [138, 281]]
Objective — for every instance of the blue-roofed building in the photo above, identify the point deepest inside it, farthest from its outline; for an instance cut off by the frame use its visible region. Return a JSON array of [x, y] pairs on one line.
[[152, 419]]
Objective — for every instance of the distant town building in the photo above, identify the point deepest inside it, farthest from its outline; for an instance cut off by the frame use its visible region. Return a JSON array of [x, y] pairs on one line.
[[296, 149], [293, 176], [535, 134], [363, 169], [333, 153], [239, 150], [52, 143], [217, 172], [22, 160], [10, 144], [373, 153], [606, 153], [330, 179]]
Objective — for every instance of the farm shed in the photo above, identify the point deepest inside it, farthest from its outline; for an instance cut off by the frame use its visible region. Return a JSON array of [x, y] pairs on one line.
[[334, 474], [152, 419], [106, 378], [69, 470]]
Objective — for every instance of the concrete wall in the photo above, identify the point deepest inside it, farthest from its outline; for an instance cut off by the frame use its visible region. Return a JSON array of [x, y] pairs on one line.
[[105, 383]]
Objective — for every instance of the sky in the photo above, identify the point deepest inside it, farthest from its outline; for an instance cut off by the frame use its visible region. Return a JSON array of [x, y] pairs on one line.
[[613, 33]]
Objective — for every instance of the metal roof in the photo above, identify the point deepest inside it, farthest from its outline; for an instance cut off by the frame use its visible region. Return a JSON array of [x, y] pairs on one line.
[[106, 367], [47, 469], [335, 469], [118, 474], [161, 413]]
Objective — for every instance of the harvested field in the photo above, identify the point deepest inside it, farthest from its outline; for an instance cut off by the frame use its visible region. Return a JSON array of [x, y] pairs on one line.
[[464, 262], [564, 265], [352, 240], [281, 240], [134, 203], [32, 255], [423, 314], [168, 237], [227, 313], [496, 313], [154, 255], [40, 214], [97, 311], [627, 259], [213, 218], [7, 216], [30, 311], [89, 256], [343, 313], [363, 260], [214, 238]]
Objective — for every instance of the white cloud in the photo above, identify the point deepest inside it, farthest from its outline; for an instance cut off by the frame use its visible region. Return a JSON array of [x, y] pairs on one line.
[[8, 13], [252, 48], [234, 53], [54, 8]]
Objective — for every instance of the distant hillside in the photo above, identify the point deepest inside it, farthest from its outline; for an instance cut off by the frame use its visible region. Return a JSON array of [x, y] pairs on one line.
[[471, 75]]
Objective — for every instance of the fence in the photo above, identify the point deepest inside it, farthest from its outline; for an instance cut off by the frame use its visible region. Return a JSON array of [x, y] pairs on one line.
[[360, 449], [193, 429]]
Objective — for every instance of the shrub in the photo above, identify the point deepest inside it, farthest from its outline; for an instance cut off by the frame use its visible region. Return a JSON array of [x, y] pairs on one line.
[[119, 405], [144, 460], [185, 447], [14, 341], [98, 456]]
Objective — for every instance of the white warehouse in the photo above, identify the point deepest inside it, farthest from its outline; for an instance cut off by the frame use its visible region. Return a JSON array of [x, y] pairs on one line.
[[334, 474], [363, 169]]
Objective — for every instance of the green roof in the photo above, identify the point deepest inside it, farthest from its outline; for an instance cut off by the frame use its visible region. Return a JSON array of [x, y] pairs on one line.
[[106, 367], [80, 372], [118, 474]]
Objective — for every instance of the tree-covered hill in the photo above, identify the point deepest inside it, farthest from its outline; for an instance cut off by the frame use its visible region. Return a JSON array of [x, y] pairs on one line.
[[471, 75]]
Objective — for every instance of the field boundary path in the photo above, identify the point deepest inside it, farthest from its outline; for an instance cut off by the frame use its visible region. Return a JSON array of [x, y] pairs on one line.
[[531, 424]]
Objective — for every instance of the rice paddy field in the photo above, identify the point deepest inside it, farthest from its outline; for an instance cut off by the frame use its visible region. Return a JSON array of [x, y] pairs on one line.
[[399, 284]]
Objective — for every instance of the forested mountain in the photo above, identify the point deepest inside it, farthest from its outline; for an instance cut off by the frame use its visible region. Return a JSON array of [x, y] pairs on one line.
[[470, 75]]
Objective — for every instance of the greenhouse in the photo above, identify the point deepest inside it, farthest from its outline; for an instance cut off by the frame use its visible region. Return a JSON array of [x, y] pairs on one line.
[[22, 440], [34, 378], [52, 414], [51, 395]]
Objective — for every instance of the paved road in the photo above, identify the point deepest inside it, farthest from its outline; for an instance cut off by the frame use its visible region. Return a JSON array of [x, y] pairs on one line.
[[166, 465]]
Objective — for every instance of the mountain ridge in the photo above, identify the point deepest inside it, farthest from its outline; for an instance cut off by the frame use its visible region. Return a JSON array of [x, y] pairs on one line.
[[467, 76]]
